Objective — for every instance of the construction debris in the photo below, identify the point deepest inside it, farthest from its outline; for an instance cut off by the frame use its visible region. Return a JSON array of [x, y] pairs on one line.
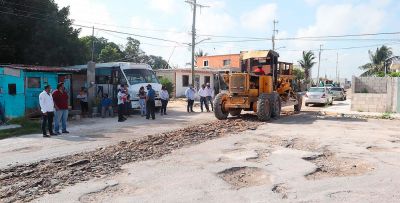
[[30, 181]]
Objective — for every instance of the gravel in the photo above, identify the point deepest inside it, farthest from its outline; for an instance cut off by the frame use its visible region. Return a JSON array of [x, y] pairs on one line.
[[30, 181]]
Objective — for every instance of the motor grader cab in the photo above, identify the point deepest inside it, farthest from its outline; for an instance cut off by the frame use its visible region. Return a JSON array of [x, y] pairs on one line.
[[264, 86]]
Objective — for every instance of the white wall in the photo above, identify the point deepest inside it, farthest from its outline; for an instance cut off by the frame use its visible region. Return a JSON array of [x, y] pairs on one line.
[[180, 90]]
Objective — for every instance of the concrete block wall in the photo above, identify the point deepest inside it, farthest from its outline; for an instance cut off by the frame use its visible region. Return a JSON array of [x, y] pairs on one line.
[[367, 102], [371, 84], [383, 94]]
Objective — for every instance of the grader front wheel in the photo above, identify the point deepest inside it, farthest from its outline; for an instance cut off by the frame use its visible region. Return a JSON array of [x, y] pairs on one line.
[[264, 107], [235, 112], [276, 106], [219, 110]]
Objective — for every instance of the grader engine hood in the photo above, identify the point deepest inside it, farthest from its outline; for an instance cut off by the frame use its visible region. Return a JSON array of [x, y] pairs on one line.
[[238, 83]]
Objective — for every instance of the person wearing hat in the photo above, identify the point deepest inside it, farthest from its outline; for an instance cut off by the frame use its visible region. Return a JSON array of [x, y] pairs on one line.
[[60, 97], [150, 102], [210, 95]]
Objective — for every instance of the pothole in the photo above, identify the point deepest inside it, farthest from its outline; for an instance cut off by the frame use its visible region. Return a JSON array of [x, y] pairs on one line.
[[300, 144], [280, 189], [329, 165], [243, 177]]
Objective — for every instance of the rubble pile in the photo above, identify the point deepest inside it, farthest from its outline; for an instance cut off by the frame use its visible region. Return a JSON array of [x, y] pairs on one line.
[[30, 181]]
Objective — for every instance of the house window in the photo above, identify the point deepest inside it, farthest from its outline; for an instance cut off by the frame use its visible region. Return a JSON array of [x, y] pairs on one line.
[[185, 80], [227, 62], [207, 79], [33, 82], [205, 63], [12, 89]]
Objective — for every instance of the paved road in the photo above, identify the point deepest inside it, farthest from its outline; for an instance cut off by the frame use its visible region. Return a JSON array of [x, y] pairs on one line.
[[88, 134]]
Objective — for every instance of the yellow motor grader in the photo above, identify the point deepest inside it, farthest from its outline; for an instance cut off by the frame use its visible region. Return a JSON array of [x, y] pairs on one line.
[[264, 86]]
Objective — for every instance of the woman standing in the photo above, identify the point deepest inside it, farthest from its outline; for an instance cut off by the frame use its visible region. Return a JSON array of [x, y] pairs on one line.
[[142, 101], [82, 96], [164, 100]]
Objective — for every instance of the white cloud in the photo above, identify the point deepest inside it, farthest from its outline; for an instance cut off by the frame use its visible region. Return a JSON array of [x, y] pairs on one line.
[[166, 6], [143, 23], [260, 18], [312, 2], [87, 11]]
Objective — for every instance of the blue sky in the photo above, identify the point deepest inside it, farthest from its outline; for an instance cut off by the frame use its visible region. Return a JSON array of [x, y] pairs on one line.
[[171, 19]]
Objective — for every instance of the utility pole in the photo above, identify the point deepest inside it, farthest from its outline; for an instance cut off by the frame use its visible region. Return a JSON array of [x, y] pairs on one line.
[[93, 44], [274, 31], [319, 63], [195, 5], [337, 63]]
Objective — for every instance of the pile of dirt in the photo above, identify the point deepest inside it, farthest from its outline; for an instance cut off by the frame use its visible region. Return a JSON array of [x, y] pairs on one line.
[[30, 181], [329, 165]]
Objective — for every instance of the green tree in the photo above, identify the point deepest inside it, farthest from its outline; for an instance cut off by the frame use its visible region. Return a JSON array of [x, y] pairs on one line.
[[157, 62], [299, 74], [31, 37], [109, 53], [132, 51], [377, 63], [168, 84], [307, 62]]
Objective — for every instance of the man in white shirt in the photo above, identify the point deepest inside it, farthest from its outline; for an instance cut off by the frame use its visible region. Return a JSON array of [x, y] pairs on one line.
[[210, 95], [190, 94], [47, 107], [121, 96], [203, 98]]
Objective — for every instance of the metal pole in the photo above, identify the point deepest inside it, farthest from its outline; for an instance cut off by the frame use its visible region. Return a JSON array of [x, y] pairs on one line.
[[193, 38], [319, 64], [337, 62], [93, 44], [273, 35]]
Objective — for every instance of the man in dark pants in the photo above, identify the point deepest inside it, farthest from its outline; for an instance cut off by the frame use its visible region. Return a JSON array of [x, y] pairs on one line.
[[121, 96], [150, 103], [47, 107], [190, 94]]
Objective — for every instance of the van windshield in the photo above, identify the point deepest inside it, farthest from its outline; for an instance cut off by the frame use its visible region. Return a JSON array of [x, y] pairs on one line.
[[138, 76], [317, 89]]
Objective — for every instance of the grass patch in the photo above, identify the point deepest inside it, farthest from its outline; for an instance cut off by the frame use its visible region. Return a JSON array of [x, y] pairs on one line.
[[386, 115], [27, 127]]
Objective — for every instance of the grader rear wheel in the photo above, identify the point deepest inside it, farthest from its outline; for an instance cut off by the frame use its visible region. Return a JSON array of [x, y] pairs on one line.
[[219, 110], [235, 112], [264, 107], [276, 106]]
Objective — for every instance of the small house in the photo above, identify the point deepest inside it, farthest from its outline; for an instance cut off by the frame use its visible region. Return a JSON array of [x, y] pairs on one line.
[[20, 86]]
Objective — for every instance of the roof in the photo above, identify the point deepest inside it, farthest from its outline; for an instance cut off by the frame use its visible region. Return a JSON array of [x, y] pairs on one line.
[[39, 68], [197, 70], [219, 55], [257, 54], [106, 65]]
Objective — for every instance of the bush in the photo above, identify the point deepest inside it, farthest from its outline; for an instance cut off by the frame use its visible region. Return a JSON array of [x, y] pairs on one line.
[[168, 84], [394, 74]]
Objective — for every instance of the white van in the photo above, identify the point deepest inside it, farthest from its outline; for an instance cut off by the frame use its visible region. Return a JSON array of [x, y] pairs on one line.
[[109, 77]]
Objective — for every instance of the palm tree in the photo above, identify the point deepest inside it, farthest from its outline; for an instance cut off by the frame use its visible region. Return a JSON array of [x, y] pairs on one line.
[[377, 63], [307, 62], [200, 53]]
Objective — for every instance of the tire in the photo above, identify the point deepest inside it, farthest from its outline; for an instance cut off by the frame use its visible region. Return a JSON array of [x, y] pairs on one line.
[[219, 101], [297, 107], [235, 112], [264, 107], [276, 106]]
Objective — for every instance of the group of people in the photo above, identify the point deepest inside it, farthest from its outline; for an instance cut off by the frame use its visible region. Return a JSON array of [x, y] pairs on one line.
[[147, 101], [54, 106], [205, 93]]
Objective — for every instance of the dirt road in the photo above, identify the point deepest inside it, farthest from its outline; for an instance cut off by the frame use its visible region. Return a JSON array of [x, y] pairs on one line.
[[299, 158], [89, 134]]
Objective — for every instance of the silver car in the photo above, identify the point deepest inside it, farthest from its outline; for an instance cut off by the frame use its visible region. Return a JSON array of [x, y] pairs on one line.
[[338, 93], [318, 95]]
